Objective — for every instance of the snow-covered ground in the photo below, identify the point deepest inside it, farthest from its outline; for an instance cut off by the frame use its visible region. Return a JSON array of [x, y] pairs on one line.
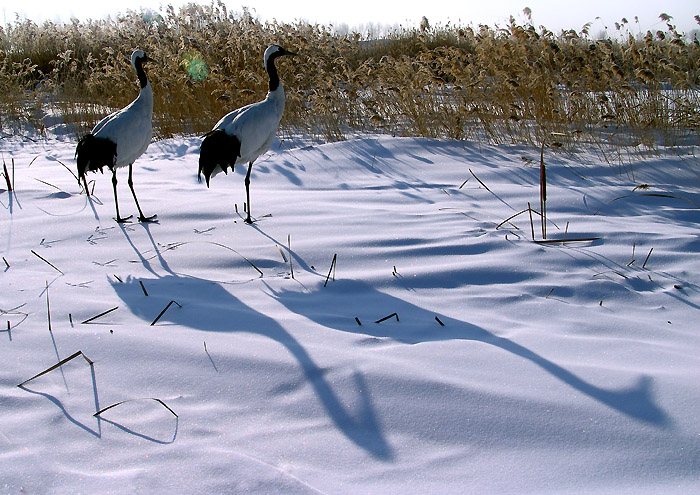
[[508, 366]]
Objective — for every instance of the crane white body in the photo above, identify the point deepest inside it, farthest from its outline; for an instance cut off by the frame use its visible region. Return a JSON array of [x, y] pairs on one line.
[[131, 128], [255, 125]]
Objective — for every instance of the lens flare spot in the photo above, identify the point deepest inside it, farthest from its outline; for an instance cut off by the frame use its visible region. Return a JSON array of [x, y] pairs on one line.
[[196, 67]]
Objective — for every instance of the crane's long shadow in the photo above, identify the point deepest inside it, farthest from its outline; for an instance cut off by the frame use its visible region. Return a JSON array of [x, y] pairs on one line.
[[353, 299], [209, 306]]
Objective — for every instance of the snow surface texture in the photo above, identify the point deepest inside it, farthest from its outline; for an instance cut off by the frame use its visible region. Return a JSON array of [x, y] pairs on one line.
[[553, 368]]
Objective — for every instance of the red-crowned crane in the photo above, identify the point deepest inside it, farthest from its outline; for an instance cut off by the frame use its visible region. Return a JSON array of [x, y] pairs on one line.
[[246, 133], [120, 138]]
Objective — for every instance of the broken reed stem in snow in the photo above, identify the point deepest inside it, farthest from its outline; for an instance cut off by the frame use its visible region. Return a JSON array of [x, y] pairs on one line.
[[572, 239], [64, 166], [647, 258], [464, 183], [526, 210], [620, 274], [543, 193], [48, 306], [532, 225], [58, 365], [289, 246], [231, 249], [7, 176], [387, 317], [209, 356], [439, 321], [517, 214], [332, 269], [284, 257], [132, 400], [47, 183], [485, 186], [634, 248], [100, 315], [143, 287], [47, 262], [356, 319], [6, 263], [164, 310], [84, 186]]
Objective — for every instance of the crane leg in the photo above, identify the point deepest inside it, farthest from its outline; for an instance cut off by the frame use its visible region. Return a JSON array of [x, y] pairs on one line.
[[247, 191], [142, 218], [87, 191], [119, 219]]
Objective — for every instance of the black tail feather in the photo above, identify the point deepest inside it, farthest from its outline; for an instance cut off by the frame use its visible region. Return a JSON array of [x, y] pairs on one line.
[[218, 149], [94, 153]]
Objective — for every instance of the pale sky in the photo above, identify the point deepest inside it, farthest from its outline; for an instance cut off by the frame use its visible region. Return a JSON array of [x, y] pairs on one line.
[[553, 14]]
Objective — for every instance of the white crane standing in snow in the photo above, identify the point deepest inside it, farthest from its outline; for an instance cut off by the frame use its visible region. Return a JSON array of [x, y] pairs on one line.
[[120, 138], [244, 134]]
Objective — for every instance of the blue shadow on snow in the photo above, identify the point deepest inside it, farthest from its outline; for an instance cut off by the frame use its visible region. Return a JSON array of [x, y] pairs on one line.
[[216, 309], [352, 299]]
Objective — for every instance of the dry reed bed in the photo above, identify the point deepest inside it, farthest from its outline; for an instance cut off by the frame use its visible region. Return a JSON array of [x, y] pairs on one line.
[[513, 84]]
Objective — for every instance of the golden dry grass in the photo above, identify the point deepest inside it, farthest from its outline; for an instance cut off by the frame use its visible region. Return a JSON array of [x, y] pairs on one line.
[[505, 85]]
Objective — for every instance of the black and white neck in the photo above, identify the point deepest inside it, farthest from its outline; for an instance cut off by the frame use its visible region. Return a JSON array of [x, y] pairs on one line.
[[271, 54], [138, 58]]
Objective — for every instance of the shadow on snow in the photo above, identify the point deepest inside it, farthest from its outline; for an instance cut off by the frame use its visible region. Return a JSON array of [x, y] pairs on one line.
[[209, 306], [357, 299]]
